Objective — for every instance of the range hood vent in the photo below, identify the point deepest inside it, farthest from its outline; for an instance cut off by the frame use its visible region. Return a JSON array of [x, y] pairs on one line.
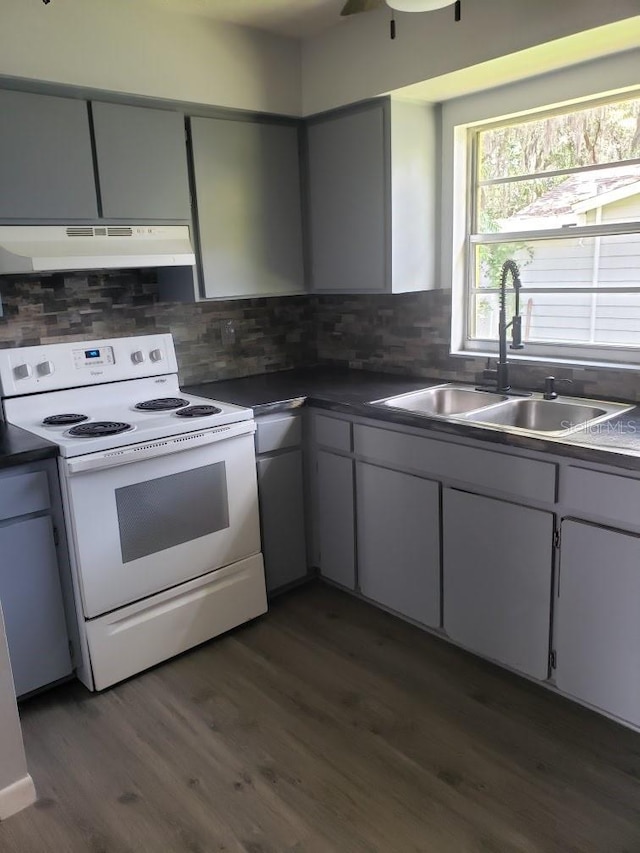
[[58, 248], [100, 231]]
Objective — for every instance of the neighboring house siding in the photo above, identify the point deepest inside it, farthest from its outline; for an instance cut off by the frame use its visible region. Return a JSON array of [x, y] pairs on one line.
[[625, 210], [612, 261]]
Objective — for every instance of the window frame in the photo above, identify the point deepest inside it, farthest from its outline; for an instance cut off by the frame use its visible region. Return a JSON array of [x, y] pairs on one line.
[[583, 86]]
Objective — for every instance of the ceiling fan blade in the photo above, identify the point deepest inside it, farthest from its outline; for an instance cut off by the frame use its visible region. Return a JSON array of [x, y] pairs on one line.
[[354, 7]]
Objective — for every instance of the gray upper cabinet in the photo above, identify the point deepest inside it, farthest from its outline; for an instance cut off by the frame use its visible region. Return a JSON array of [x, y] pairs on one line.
[[46, 163], [347, 191], [141, 162], [371, 198], [247, 186]]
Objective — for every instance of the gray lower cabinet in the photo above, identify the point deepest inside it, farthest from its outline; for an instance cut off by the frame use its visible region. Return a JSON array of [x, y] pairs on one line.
[[249, 210], [398, 520], [141, 160], [597, 637], [30, 591], [497, 573], [281, 489], [335, 522], [46, 161]]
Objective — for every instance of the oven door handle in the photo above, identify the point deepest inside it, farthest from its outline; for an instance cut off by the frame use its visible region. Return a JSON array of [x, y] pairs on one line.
[[150, 449]]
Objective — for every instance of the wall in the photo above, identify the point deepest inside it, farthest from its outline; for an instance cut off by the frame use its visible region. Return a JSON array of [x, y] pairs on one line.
[[16, 786], [409, 334], [125, 46], [358, 60], [271, 334]]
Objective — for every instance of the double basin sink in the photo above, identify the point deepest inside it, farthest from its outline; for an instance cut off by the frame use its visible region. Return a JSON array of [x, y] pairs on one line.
[[532, 414]]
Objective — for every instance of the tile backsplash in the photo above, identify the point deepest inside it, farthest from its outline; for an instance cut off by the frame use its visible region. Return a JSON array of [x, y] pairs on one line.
[[269, 334], [410, 333], [406, 333]]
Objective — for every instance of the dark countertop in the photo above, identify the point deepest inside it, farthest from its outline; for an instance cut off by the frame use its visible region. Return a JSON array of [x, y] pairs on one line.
[[614, 442], [17, 446]]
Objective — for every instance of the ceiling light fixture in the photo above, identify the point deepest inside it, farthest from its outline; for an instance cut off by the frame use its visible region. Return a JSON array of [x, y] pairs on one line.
[[423, 5], [418, 5]]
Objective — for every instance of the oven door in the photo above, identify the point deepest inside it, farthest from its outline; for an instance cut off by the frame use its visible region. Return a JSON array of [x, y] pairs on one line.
[[147, 517]]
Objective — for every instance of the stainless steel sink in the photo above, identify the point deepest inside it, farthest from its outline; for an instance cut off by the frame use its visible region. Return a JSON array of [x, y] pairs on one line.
[[442, 400], [551, 417], [533, 415]]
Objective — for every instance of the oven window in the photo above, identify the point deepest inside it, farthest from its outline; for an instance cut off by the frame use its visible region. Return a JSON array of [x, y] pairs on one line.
[[168, 511]]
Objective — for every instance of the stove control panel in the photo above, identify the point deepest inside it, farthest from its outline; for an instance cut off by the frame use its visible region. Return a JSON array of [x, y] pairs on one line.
[[53, 367], [93, 357]]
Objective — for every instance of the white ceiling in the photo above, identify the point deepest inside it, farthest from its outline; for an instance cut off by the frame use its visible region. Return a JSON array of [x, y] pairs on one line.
[[293, 18]]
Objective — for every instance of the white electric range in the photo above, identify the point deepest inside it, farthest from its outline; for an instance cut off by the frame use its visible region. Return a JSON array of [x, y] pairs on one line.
[[159, 493]]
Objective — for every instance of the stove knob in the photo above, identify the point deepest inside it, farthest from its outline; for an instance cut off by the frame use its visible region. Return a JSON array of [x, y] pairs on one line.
[[22, 371], [156, 355], [137, 357], [45, 368]]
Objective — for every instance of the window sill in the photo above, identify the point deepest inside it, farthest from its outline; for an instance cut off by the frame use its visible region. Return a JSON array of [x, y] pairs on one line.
[[536, 360]]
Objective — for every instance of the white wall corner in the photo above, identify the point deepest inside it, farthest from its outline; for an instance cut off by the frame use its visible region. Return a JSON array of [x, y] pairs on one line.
[[17, 796], [413, 193]]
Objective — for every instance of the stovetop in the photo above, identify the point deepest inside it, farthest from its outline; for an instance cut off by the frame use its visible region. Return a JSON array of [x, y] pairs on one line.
[[111, 411]]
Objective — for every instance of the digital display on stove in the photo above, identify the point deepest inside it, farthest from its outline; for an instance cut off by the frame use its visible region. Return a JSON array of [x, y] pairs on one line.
[[92, 358]]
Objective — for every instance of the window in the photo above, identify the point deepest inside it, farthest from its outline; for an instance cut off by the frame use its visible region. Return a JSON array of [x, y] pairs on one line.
[[559, 192]]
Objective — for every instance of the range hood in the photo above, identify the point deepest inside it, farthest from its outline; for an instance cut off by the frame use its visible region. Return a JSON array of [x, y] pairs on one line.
[[58, 248]]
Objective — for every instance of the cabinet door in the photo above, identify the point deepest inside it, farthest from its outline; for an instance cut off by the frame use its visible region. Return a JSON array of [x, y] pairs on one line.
[[46, 163], [281, 490], [335, 518], [142, 162], [348, 201], [249, 209], [498, 561], [398, 523], [32, 604], [597, 638]]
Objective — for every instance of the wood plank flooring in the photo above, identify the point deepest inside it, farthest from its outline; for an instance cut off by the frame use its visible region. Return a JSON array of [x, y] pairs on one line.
[[325, 727]]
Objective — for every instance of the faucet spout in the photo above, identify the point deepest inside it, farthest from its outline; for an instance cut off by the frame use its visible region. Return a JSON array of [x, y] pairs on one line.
[[501, 372]]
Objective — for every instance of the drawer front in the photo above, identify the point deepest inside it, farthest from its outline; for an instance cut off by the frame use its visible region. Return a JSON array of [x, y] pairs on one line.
[[142, 634], [23, 493], [276, 432], [513, 475], [331, 432], [605, 496]]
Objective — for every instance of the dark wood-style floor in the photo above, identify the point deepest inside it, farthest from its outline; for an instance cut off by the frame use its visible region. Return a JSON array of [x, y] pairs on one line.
[[325, 727]]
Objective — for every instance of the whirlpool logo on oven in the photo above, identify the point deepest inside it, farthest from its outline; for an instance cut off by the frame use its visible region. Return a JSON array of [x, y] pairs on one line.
[[160, 381]]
